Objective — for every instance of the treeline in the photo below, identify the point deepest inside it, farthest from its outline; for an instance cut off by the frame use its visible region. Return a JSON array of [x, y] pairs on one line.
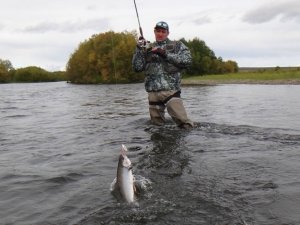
[[27, 74], [106, 58], [205, 61]]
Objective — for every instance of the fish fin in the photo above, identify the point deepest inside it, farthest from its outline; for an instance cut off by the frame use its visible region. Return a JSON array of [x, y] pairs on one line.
[[115, 191], [114, 185], [137, 189], [124, 148]]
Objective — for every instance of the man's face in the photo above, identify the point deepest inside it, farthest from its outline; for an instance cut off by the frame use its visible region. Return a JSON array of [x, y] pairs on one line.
[[161, 34]]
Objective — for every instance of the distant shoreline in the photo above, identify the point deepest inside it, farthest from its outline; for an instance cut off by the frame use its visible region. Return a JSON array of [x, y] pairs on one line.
[[191, 82], [272, 76]]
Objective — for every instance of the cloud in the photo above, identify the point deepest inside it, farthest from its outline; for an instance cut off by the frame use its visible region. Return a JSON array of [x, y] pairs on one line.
[[202, 20], [196, 18], [285, 10], [68, 26], [249, 32]]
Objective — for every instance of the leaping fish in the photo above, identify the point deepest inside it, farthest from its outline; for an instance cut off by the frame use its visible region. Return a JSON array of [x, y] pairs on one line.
[[124, 185]]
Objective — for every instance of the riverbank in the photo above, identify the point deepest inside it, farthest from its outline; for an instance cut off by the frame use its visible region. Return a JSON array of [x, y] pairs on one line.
[[242, 81], [279, 76]]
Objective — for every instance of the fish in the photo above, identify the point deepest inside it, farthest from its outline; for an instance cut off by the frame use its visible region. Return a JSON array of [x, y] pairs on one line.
[[124, 184]]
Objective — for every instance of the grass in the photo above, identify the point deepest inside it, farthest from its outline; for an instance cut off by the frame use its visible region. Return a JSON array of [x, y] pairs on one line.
[[278, 76]]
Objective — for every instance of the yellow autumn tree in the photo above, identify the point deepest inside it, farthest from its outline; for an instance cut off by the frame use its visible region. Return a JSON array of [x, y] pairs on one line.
[[104, 58]]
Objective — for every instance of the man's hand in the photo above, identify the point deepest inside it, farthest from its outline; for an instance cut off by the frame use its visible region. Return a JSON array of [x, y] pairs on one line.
[[159, 51]]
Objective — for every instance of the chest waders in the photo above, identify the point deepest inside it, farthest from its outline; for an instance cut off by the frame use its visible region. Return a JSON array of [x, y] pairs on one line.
[[170, 100]]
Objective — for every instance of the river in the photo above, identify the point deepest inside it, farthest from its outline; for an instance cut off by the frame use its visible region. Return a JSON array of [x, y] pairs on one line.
[[59, 148]]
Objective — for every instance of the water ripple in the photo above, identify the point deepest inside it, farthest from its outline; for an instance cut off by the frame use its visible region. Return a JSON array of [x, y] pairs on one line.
[[59, 147]]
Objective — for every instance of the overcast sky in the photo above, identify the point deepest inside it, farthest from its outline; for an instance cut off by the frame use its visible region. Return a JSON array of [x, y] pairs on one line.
[[251, 32]]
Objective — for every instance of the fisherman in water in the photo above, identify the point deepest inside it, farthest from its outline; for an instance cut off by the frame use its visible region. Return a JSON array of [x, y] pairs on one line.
[[162, 63]]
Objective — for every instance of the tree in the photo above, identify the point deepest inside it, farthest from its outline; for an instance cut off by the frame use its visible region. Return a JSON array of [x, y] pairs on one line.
[[31, 74], [6, 71], [231, 67], [104, 58], [202, 57], [205, 60]]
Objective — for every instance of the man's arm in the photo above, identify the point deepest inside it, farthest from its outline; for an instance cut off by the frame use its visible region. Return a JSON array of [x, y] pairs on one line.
[[182, 57], [138, 60]]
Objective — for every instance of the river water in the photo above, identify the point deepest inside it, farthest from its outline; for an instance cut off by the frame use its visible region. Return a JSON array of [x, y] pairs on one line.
[[59, 147]]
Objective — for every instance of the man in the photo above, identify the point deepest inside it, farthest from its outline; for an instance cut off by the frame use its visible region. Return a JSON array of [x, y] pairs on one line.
[[162, 64]]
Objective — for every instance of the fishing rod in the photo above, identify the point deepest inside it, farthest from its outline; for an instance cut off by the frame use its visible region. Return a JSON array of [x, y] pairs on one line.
[[137, 15], [146, 45]]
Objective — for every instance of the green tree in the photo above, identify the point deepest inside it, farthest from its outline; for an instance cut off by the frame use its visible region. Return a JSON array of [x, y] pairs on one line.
[[205, 60], [57, 76], [202, 57], [31, 74], [6, 71]]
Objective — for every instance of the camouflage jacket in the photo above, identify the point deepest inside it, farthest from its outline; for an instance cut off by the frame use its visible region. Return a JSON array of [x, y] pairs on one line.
[[162, 74]]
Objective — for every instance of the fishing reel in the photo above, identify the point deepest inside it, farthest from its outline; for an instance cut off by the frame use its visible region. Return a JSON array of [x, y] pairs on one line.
[[146, 46]]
